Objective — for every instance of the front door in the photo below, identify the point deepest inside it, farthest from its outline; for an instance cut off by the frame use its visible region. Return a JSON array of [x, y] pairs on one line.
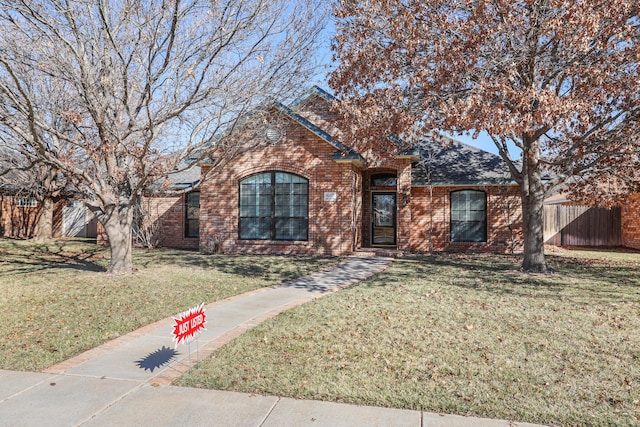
[[383, 227]]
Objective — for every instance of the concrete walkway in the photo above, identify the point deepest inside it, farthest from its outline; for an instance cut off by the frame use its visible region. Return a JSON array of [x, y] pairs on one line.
[[126, 382]]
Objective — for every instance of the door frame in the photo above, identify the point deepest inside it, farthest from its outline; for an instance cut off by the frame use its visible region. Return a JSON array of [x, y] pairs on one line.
[[393, 213]]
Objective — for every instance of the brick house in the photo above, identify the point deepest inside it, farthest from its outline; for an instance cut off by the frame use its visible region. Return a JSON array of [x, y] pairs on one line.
[[301, 191], [20, 210], [18, 215]]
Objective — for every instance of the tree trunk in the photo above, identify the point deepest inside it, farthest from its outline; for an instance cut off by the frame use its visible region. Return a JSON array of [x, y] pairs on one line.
[[44, 227], [117, 222], [532, 194]]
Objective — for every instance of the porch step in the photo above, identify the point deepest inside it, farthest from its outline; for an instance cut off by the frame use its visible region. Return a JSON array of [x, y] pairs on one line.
[[381, 252]]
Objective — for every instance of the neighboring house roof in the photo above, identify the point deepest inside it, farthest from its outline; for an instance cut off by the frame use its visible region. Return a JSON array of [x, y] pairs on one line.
[[17, 175], [11, 178], [453, 162]]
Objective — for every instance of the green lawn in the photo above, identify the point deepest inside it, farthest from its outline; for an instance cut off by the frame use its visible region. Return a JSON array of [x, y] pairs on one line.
[[56, 300], [458, 334]]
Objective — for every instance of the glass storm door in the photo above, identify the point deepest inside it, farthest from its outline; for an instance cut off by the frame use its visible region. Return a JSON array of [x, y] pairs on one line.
[[383, 218]]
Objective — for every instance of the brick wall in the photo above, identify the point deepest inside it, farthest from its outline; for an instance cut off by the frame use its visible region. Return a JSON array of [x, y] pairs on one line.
[[431, 214], [405, 210], [20, 222], [317, 110], [17, 221], [169, 212], [630, 216], [333, 225], [167, 215]]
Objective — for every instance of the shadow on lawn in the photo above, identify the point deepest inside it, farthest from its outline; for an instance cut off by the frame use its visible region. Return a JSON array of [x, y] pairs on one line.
[[577, 280], [32, 257], [276, 267]]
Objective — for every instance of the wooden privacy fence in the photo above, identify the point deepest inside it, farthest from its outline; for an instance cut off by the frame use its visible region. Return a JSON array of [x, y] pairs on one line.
[[570, 225]]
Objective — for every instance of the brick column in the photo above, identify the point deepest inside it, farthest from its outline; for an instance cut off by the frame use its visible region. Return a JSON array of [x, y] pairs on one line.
[[403, 218], [630, 213]]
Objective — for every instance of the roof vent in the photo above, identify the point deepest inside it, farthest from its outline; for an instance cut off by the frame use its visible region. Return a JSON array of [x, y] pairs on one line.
[[273, 134]]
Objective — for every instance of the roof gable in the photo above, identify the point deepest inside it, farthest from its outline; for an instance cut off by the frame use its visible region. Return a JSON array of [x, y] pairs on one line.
[[314, 91], [307, 124], [344, 152]]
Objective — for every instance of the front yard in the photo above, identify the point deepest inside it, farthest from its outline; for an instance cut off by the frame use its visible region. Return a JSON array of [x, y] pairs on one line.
[[454, 334], [462, 335], [56, 301]]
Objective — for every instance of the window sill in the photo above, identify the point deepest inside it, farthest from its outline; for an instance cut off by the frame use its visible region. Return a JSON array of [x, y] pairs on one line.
[[468, 243], [271, 242]]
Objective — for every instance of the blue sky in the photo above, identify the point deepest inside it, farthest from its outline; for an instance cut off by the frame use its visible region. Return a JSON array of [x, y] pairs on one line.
[[323, 57]]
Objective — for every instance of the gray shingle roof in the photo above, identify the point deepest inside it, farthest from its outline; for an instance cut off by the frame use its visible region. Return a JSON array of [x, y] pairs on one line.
[[185, 178], [453, 162]]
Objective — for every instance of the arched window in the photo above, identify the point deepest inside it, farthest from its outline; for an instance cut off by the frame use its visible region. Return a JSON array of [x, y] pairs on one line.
[[384, 180], [468, 216], [274, 206]]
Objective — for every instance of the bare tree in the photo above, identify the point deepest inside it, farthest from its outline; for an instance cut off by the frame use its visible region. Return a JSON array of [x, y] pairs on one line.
[[146, 84], [147, 229]]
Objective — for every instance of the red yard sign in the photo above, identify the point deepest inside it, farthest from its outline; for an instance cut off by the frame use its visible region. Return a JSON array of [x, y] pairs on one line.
[[188, 324]]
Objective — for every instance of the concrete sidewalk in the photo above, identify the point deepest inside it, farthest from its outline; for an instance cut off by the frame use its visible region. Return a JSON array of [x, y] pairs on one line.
[[126, 382]]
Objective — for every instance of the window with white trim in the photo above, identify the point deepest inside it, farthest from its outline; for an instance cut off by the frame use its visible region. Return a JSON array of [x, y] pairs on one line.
[[24, 202]]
